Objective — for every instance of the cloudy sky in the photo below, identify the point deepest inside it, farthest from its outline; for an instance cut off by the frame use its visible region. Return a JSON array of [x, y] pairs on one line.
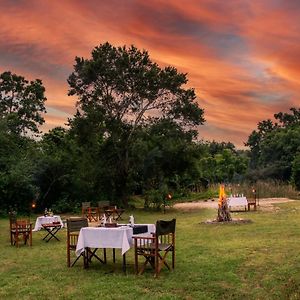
[[241, 56]]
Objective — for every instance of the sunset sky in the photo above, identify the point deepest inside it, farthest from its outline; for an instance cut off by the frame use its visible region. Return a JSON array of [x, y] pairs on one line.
[[241, 56]]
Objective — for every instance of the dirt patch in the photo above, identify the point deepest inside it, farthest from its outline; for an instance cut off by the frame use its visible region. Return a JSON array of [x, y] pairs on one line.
[[263, 204], [233, 221]]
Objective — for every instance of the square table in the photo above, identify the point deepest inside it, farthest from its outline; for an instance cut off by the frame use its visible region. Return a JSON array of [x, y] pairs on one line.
[[237, 201], [52, 229], [46, 220], [51, 224], [108, 237]]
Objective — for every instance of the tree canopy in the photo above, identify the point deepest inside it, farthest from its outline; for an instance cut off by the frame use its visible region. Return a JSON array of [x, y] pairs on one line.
[[275, 146], [135, 131], [21, 103], [128, 92]]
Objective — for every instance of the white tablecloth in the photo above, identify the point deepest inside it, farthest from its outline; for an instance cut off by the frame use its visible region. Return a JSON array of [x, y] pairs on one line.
[[104, 237], [237, 201], [46, 220]]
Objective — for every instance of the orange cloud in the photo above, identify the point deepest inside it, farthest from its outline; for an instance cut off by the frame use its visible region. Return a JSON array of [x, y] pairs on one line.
[[240, 56]]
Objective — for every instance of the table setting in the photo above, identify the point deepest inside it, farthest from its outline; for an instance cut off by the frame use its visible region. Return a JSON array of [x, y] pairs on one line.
[[108, 236]]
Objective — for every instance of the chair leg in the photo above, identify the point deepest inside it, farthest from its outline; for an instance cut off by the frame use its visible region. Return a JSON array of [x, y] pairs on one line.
[[173, 258], [74, 262], [25, 237], [104, 255], [136, 263], [147, 259], [11, 238], [68, 257], [114, 255], [156, 265], [17, 240]]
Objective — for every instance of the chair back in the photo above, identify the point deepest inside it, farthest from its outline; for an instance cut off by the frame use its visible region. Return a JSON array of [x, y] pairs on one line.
[[12, 219], [73, 227], [85, 205], [75, 224], [165, 227], [155, 249], [23, 226], [20, 228], [102, 204]]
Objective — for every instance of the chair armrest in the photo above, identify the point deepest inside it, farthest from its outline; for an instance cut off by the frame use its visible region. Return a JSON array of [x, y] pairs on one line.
[[143, 238], [74, 234]]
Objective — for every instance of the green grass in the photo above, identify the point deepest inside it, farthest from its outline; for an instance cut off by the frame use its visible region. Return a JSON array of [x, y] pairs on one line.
[[258, 260]]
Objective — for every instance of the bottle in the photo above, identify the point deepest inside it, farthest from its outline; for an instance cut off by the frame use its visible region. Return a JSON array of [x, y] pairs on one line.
[[131, 220], [46, 212], [103, 219]]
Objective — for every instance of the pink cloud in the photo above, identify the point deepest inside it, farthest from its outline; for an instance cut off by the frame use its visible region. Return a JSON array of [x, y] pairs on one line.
[[240, 56]]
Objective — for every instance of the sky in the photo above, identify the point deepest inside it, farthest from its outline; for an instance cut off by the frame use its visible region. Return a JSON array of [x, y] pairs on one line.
[[241, 56]]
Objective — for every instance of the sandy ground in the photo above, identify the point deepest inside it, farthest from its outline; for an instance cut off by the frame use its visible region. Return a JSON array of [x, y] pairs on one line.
[[264, 204]]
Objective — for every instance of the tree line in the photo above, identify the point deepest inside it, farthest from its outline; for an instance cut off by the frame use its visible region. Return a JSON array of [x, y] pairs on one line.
[[134, 132]]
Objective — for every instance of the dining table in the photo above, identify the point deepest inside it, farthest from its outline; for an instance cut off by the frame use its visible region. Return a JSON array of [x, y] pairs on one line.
[[47, 220], [51, 224], [240, 201], [119, 237]]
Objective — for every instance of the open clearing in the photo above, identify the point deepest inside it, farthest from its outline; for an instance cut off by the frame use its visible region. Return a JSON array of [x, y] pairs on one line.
[[264, 204]]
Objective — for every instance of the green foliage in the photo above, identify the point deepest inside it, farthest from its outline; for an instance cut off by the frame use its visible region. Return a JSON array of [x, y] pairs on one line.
[[17, 157], [56, 171], [124, 92], [274, 146], [222, 163], [21, 108], [21, 103], [155, 198], [64, 205], [296, 171]]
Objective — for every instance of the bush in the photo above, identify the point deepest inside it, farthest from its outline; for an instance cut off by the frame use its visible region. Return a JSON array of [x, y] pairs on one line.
[[155, 198], [65, 205]]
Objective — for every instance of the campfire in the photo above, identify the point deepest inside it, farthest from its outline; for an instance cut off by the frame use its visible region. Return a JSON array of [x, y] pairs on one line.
[[223, 210]]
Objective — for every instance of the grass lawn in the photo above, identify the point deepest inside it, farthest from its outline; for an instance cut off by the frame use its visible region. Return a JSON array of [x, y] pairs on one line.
[[259, 260]]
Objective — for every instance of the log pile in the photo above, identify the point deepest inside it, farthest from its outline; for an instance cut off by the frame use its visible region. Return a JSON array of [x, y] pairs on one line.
[[223, 210]]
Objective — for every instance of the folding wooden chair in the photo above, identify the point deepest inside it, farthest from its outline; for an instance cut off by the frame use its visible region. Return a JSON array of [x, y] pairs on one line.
[[73, 227], [20, 230], [92, 213], [84, 208], [155, 249], [251, 202], [102, 206]]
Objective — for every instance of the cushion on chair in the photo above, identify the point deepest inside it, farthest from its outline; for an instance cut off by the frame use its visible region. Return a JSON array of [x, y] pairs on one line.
[[140, 229]]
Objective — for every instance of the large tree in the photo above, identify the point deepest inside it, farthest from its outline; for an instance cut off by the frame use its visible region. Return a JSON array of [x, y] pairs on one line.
[[21, 103], [275, 145], [130, 91], [21, 109]]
